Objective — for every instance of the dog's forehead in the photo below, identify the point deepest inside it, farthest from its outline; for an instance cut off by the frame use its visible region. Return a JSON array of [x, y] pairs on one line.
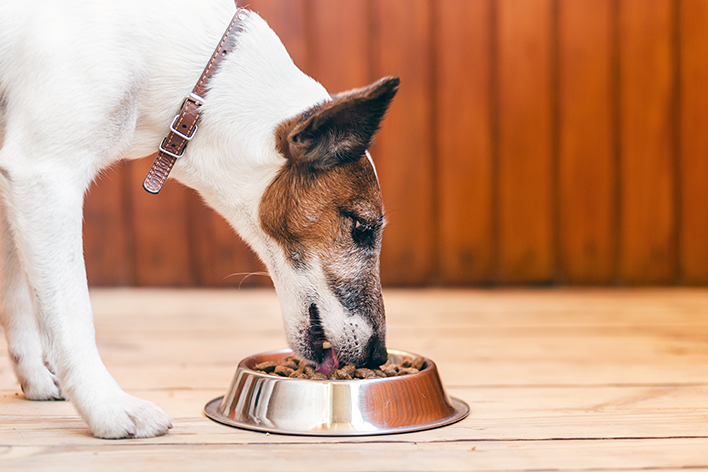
[[353, 185]]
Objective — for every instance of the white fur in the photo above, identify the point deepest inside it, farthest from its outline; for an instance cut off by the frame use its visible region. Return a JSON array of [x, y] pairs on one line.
[[84, 84]]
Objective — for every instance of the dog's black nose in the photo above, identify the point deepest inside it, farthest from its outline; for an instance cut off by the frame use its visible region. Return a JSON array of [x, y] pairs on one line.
[[377, 353]]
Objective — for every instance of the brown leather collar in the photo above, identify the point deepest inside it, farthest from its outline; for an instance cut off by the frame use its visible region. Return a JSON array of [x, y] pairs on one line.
[[184, 124]]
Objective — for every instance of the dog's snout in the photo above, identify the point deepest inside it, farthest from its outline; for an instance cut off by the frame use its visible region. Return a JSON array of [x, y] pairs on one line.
[[377, 353]]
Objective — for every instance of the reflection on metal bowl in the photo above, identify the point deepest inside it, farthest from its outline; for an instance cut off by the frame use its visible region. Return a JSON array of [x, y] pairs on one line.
[[264, 402]]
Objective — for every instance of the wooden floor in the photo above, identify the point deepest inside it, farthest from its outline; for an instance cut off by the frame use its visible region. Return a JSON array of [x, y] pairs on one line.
[[557, 379]]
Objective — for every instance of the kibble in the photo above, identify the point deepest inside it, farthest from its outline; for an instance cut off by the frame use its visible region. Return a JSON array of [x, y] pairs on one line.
[[296, 368], [283, 371], [267, 366]]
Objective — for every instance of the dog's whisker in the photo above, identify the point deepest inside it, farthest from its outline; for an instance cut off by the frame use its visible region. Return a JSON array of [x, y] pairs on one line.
[[246, 276]]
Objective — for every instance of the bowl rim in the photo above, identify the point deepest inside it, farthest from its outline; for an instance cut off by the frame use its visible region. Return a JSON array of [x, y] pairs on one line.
[[429, 364]]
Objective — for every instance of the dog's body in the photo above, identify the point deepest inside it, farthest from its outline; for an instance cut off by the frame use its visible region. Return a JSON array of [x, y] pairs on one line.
[[84, 84]]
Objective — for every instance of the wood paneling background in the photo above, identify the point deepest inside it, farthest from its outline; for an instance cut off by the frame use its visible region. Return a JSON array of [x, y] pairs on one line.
[[532, 141]]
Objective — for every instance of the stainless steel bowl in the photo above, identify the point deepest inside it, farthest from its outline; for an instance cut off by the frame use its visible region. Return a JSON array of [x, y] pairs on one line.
[[264, 402]]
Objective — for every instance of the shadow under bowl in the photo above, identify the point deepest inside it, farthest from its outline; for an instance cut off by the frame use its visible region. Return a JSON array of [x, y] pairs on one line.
[[264, 402]]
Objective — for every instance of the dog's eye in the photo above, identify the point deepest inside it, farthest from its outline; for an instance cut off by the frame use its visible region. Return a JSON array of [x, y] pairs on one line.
[[363, 234], [365, 231], [361, 227]]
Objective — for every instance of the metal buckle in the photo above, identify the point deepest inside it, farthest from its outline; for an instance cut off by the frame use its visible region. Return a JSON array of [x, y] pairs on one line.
[[184, 136], [176, 156], [194, 98]]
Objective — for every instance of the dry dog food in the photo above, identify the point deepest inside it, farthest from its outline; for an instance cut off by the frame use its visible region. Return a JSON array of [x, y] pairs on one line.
[[293, 367]]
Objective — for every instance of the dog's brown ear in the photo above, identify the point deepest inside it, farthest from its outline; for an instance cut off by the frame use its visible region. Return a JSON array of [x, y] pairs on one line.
[[337, 131]]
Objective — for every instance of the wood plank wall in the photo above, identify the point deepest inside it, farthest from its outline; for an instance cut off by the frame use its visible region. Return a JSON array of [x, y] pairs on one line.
[[532, 141]]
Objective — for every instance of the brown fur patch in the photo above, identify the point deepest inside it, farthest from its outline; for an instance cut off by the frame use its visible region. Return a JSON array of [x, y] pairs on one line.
[[312, 212]]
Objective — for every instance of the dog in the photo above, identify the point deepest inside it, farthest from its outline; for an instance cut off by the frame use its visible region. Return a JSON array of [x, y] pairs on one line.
[[85, 84]]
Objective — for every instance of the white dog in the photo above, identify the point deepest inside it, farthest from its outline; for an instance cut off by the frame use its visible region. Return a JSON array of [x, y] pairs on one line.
[[86, 83]]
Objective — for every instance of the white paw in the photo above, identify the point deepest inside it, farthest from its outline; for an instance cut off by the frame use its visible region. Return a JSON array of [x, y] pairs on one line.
[[124, 416], [39, 384]]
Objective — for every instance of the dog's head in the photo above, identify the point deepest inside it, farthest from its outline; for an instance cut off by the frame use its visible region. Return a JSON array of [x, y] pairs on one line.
[[324, 215]]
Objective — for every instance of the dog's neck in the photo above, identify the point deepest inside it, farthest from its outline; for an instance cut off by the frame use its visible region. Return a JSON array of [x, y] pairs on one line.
[[233, 157]]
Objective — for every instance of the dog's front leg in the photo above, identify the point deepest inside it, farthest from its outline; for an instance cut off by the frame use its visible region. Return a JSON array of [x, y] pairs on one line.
[[20, 324], [45, 213]]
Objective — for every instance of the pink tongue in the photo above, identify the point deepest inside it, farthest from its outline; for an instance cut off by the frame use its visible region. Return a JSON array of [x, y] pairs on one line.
[[329, 363]]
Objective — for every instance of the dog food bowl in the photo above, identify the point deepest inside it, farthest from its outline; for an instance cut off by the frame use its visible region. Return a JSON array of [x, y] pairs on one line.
[[264, 402]]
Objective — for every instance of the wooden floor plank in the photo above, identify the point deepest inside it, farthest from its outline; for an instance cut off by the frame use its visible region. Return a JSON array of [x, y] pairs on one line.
[[107, 232], [161, 225], [511, 414], [587, 174], [401, 45], [465, 161], [339, 30], [562, 379], [693, 242], [647, 241], [525, 147], [527, 455]]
